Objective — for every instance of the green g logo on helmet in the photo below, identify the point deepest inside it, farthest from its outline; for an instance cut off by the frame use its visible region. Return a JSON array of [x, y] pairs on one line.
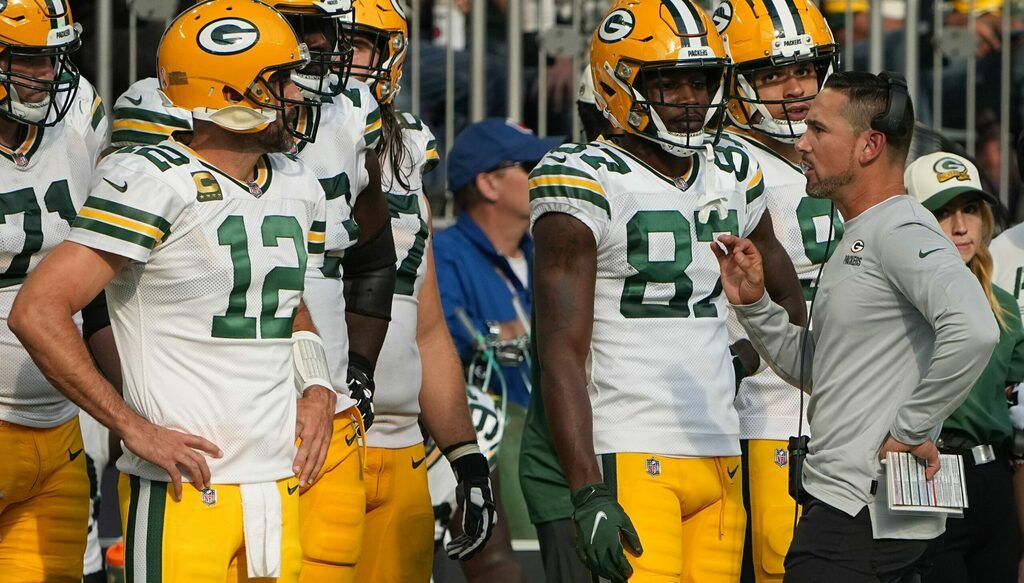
[[947, 169], [616, 26], [228, 36]]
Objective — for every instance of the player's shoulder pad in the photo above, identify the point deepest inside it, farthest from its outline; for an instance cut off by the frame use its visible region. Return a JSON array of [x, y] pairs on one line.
[[144, 115], [418, 138], [87, 110], [156, 167], [577, 172]]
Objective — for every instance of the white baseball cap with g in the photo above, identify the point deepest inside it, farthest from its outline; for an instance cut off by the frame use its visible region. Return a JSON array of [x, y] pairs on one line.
[[936, 179]]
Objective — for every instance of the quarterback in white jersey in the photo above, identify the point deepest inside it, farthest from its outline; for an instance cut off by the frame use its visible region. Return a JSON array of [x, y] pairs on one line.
[[634, 352], [52, 126], [203, 249], [398, 504], [782, 53]]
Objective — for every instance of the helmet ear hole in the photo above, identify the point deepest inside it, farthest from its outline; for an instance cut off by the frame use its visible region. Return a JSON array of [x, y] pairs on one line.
[[231, 95]]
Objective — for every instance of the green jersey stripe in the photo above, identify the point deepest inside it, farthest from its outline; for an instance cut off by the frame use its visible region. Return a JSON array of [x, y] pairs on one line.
[[315, 248], [755, 191], [99, 114], [543, 192], [128, 212], [558, 170], [318, 226], [145, 115], [351, 228], [135, 137], [115, 232]]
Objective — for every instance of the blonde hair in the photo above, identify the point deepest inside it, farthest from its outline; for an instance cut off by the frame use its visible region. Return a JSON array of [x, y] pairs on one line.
[[981, 264]]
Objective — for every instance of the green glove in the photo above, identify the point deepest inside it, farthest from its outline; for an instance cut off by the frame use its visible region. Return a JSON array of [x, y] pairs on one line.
[[602, 529]]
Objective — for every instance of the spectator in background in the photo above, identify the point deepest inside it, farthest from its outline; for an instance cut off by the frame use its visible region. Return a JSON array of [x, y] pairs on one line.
[[985, 544], [483, 272]]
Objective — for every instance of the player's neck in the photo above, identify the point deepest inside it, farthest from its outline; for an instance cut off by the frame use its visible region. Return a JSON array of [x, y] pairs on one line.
[[655, 157], [504, 232], [787, 151], [11, 133], [227, 154]]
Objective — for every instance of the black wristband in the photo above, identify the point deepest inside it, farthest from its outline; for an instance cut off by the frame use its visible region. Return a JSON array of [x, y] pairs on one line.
[[471, 466]]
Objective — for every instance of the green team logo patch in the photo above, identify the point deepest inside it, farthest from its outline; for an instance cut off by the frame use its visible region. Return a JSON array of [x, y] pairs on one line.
[[947, 169], [228, 36], [616, 26]]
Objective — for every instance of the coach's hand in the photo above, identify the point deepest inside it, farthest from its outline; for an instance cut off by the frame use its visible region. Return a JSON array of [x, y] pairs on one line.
[[740, 264], [474, 496], [925, 450], [174, 451], [314, 425], [602, 531]]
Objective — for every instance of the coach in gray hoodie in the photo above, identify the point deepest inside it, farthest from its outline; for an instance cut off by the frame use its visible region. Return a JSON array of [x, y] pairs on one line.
[[900, 332]]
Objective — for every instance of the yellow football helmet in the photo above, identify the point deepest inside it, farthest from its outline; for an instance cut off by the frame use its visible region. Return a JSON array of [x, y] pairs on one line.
[[762, 35], [384, 23], [241, 45], [319, 24], [30, 29], [637, 39]]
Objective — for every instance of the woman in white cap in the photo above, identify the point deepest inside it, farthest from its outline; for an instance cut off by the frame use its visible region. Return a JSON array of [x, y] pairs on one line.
[[985, 544]]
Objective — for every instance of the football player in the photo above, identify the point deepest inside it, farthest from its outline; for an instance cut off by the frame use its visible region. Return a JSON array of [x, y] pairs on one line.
[[350, 297], [782, 53], [203, 247], [52, 127], [398, 507], [635, 360]]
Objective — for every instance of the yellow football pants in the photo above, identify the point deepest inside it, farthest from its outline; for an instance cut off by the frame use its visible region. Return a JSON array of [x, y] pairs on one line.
[[44, 503], [200, 538], [398, 546], [688, 512], [766, 473], [332, 510]]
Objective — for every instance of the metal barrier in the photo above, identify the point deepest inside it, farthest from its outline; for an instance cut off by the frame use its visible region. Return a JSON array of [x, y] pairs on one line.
[[570, 38]]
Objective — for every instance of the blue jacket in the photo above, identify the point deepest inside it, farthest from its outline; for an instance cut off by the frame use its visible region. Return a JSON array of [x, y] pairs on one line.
[[468, 277]]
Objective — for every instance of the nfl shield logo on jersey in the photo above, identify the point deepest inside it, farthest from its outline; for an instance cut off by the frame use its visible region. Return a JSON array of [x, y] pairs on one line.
[[781, 457], [209, 496], [653, 467]]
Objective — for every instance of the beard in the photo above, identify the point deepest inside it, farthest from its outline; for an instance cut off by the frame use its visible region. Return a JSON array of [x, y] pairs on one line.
[[826, 187], [277, 138]]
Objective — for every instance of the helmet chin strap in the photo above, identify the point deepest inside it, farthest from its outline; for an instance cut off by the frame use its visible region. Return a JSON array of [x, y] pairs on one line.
[[309, 85]]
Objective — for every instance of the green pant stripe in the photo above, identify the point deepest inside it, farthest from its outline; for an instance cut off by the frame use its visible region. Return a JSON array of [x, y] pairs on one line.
[[155, 532], [609, 470], [129, 535]]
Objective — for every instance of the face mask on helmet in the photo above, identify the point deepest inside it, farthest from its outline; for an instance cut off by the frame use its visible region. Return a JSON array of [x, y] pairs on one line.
[[330, 55], [36, 94], [382, 49], [753, 111], [680, 100]]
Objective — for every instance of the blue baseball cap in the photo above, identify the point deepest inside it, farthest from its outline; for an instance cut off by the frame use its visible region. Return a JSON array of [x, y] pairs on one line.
[[484, 145]]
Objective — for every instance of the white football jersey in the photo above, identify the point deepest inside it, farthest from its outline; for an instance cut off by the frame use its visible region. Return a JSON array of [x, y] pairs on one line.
[[660, 374], [202, 314], [399, 369], [769, 407], [349, 125], [1008, 262], [43, 183]]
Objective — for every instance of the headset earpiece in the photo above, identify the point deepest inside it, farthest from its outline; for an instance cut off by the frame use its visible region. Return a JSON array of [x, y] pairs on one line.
[[890, 121]]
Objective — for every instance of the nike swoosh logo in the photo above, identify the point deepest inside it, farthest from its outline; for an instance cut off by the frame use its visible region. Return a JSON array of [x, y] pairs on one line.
[[416, 464], [122, 188], [923, 254], [600, 516], [732, 472], [351, 440], [134, 101], [292, 489], [74, 454]]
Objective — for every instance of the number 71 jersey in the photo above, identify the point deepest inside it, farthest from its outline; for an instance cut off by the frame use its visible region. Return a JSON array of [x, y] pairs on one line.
[[660, 373], [203, 311]]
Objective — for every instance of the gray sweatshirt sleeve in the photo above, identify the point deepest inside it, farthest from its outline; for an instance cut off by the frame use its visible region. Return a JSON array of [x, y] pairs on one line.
[[925, 268], [779, 342]]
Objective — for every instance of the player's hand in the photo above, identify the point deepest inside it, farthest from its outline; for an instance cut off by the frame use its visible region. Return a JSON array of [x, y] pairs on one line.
[[925, 450], [474, 497], [174, 451], [742, 273], [602, 532], [314, 424], [360, 388]]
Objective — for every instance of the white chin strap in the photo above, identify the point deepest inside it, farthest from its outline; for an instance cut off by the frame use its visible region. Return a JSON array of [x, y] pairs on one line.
[[29, 112], [309, 85], [237, 118]]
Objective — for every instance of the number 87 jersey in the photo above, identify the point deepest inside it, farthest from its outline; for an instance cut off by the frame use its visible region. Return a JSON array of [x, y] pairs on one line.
[[659, 352], [202, 313]]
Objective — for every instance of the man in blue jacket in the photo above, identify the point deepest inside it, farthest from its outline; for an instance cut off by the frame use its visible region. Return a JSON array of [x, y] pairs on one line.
[[483, 265]]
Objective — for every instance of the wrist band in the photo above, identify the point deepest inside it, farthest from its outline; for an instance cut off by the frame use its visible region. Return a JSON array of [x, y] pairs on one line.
[[310, 361]]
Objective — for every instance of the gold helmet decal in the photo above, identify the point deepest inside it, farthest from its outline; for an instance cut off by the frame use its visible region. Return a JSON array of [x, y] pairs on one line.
[[638, 44]]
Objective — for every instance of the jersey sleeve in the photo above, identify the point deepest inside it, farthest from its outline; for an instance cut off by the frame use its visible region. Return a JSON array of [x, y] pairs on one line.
[[88, 116], [750, 179], [431, 158], [129, 211], [144, 116], [369, 112], [317, 235], [562, 183]]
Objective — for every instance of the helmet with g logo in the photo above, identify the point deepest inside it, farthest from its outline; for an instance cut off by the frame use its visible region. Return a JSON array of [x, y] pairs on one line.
[[641, 40], [33, 29], [763, 36], [220, 49], [384, 23], [321, 25]]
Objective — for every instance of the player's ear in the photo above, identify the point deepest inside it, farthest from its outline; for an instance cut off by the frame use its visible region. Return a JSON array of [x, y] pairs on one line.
[[487, 187]]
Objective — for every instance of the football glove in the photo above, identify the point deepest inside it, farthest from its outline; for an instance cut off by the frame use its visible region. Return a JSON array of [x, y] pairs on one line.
[[602, 531], [476, 500], [360, 387]]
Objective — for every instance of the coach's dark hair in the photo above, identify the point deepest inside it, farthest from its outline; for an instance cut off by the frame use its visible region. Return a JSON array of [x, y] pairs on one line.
[[868, 96]]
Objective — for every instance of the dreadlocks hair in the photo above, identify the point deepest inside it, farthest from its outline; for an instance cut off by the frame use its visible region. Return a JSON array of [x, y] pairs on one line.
[[391, 148]]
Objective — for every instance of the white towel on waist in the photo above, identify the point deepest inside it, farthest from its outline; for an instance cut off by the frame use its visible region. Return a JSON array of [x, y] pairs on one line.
[[261, 522]]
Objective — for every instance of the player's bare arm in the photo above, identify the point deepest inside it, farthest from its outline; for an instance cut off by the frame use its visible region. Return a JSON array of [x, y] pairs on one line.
[[70, 277], [779, 274], [565, 272], [314, 416]]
